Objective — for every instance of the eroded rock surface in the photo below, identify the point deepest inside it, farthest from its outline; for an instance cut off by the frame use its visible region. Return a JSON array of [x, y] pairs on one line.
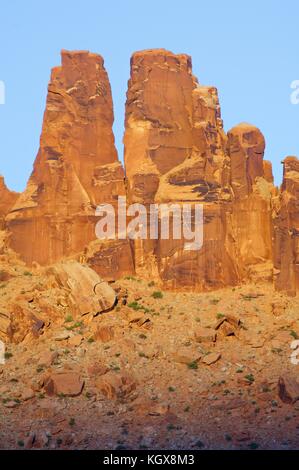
[[76, 168], [176, 151]]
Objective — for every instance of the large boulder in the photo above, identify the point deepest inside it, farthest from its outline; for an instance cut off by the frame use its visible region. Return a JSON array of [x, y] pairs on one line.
[[88, 293]]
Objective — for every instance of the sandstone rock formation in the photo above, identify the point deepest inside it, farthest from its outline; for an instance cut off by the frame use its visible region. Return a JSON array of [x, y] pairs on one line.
[[87, 292], [75, 170], [250, 225], [286, 227], [7, 200], [177, 151]]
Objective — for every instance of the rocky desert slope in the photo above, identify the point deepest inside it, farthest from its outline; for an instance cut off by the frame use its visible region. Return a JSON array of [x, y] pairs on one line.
[[159, 370], [144, 344]]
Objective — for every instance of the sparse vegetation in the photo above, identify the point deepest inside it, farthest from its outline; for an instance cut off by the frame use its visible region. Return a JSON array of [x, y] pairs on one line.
[[77, 324], [157, 295], [253, 446], [68, 319], [250, 378], [192, 365], [199, 444], [142, 354]]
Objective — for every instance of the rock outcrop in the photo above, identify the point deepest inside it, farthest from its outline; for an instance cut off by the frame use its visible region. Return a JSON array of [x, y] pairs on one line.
[[7, 200], [176, 151], [286, 229], [87, 292], [250, 226], [76, 168]]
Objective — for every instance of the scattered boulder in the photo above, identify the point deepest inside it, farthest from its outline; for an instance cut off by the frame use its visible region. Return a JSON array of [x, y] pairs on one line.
[[27, 394], [67, 384], [17, 321], [29, 441], [288, 389], [228, 324], [75, 341], [204, 335], [104, 334], [47, 358], [278, 307], [211, 358], [97, 369], [134, 317], [88, 293], [184, 356], [37, 384], [63, 336], [116, 386], [11, 404]]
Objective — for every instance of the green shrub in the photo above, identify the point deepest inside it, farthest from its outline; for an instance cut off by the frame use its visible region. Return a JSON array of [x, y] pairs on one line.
[[157, 295]]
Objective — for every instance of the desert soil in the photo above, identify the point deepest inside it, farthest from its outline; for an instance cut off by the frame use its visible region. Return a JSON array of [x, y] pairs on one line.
[[152, 374]]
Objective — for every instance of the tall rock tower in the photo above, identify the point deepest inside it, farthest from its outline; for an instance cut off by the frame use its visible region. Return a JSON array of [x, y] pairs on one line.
[[176, 151], [75, 170]]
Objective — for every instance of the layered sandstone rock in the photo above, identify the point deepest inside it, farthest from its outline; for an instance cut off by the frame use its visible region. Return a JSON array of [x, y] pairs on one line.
[[250, 226], [286, 227], [76, 167], [87, 292], [7, 199], [176, 151]]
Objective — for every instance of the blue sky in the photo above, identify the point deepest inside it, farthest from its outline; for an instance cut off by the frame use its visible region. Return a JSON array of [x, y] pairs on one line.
[[248, 50]]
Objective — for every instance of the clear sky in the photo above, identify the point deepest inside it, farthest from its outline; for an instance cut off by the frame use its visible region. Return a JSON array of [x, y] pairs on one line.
[[248, 49]]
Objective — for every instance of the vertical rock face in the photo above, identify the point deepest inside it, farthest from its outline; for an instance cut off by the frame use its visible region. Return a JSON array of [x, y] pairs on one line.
[[177, 151], [7, 199], [246, 149], [76, 167], [286, 227], [250, 226]]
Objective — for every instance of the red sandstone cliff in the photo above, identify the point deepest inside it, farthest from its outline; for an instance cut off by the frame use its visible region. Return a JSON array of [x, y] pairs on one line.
[[176, 151], [286, 226], [75, 170], [7, 198]]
